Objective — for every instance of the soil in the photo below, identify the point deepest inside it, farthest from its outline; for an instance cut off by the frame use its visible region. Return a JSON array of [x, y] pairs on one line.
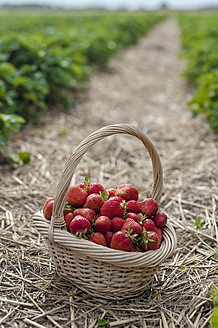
[[143, 86]]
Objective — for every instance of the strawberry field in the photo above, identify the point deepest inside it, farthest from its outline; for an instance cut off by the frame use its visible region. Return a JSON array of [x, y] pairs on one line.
[[45, 59], [77, 75], [199, 39]]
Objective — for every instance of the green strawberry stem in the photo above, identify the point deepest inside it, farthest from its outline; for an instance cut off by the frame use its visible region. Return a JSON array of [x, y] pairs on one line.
[[104, 195], [67, 206], [87, 183], [81, 235], [124, 206], [145, 238], [129, 233]]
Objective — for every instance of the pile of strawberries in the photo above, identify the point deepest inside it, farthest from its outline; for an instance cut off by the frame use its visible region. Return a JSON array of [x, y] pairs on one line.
[[112, 217]]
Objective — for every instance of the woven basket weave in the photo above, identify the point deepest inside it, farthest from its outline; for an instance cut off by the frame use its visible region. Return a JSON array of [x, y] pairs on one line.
[[98, 270]]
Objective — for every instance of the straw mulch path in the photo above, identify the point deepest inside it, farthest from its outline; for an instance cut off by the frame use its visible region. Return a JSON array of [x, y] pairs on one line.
[[142, 86]]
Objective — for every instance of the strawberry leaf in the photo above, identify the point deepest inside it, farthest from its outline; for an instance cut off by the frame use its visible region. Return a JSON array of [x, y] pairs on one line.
[[87, 183], [104, 195], [67, 206], [124, 206]]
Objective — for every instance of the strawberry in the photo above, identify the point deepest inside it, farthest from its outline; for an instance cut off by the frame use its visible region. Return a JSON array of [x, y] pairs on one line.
[[82, 185], [102, 224], [131, 226], [48, 208], [46, 202], [121, 241], [94, 202], [133, 216], [133, 206], [150, 240], [112, 207], [160, 219], [133, 249], [79, 224], [76, 196], [111, 192], [68, 218], [149, 207], [109, 235], [116, 224], [159, 233], [95, 188], [128, 192], [87, 213], [98, 238], [148, 224], [118, 199]]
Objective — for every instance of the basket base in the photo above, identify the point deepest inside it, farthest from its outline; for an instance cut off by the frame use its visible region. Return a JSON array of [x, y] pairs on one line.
[[100, 279]]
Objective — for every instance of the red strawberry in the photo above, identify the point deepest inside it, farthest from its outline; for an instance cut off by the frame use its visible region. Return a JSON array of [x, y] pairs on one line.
[[86, 213], [149, 207], [118, 199], [133, 206], [128, 192], [67, 211], [133, 216], [46, 202], [68, 218], [121, 241], [148, 224], [48, 208], [160, 219], [111, 192], [94, 202], [116, 224], [79, 224], [102, 224], [112, 208], [159, 233], [129, 225], [76, 196], [109, 235], [82, 185], [98, 238], [133, 249], [150, 241], [95, 188]]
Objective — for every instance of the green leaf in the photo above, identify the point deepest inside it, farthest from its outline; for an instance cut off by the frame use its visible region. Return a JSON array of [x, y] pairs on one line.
[[214, 319], [216, 255], [102, 322], [63, 132], [24, 157], [198, 223], [104, 195], [87, 182], [67, 206]]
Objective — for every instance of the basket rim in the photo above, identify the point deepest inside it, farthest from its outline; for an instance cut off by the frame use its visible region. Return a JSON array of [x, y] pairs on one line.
[[82, 247]]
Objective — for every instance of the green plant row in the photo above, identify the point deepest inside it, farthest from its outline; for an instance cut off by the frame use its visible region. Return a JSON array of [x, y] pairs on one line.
[[199, 36], [49, 57]]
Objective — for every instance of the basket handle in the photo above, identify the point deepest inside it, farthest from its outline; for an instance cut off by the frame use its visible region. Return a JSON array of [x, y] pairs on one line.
[[71, 164]]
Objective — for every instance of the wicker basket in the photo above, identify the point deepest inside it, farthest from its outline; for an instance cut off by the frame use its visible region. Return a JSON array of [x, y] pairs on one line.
[[98, 270]]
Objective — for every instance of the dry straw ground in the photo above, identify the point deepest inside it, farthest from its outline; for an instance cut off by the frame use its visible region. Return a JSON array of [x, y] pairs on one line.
[[141, 86]]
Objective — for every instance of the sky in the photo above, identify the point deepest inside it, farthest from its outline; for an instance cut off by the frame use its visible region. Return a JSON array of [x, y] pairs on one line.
[[116, 4]]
